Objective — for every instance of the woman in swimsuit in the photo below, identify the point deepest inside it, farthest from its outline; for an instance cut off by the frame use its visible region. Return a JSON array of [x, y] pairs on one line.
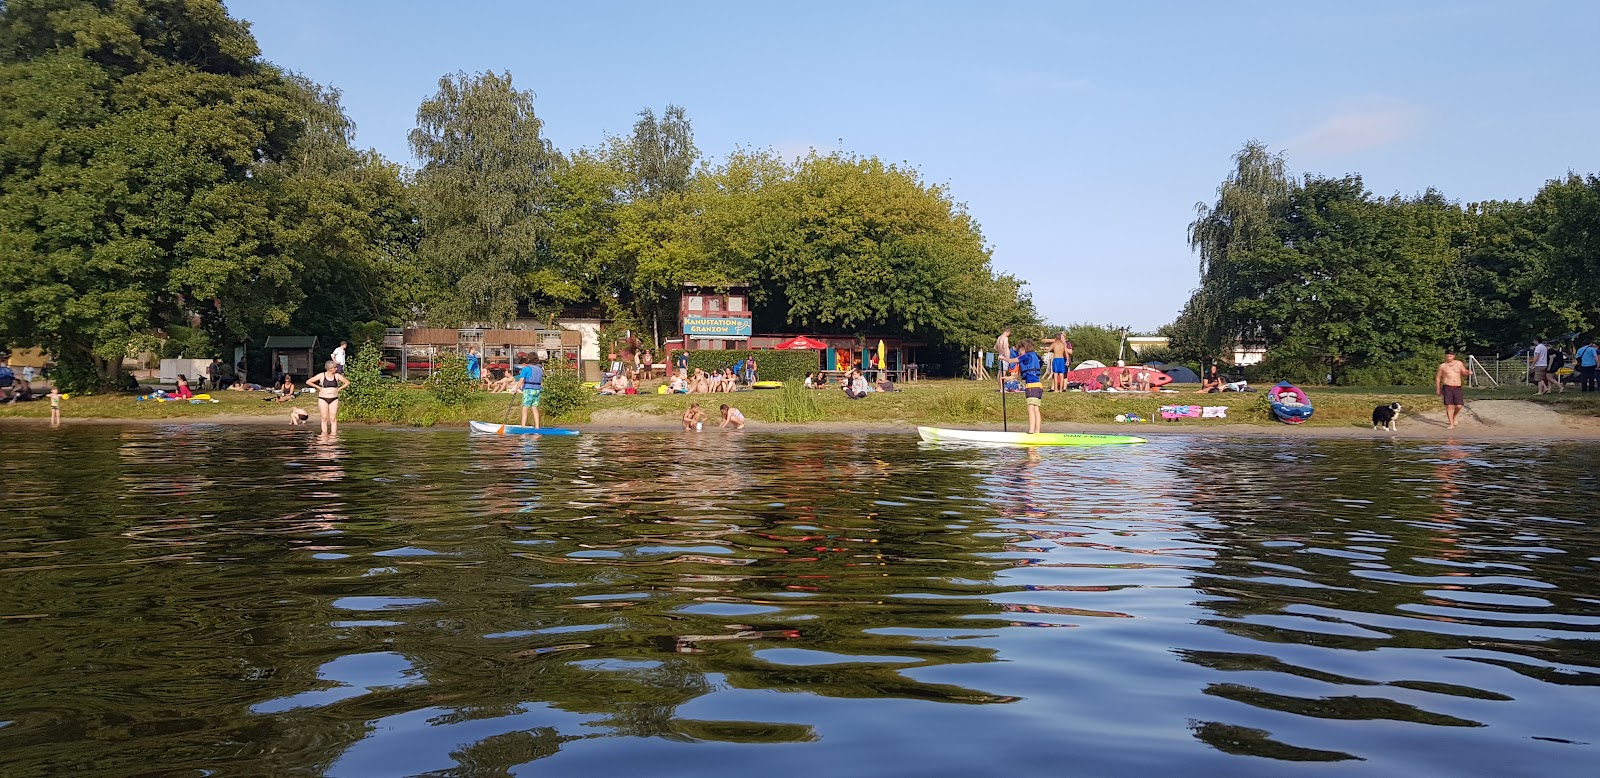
[[328, 383]]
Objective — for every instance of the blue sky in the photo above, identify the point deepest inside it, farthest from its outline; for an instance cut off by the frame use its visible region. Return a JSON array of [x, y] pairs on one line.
[[1080, 135]]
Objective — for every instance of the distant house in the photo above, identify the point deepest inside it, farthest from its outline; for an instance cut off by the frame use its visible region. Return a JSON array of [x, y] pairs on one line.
[[1141, 343], [293, 355], [1248, 353], [715, 317]]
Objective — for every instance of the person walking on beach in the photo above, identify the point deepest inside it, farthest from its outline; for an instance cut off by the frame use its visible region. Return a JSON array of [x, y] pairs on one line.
[[328, 383], [55, 406], [1541, 366], [1447, 384], [1587, 359], [338, 356], [532, 376]]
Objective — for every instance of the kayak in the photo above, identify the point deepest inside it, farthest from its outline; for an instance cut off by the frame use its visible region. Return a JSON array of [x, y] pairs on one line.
[[514, 429], [938, 435], [767, 385], [1098, 377]]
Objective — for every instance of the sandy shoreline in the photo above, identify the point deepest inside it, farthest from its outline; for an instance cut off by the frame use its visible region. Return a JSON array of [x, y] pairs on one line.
[[1482, 420]]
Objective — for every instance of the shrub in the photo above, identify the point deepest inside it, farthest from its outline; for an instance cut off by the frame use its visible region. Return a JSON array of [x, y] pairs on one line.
[[449, 384], [563, 393], [795, 403], [966, 405], [75, 374], [371, 396], [771, 364]]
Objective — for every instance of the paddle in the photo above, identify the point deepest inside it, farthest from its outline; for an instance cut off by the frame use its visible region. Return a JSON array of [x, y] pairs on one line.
[[505, 417], [1005, 417]]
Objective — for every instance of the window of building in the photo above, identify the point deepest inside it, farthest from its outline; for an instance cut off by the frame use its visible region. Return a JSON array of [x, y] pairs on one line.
[[735, 303], [696, 302], [714, 303]]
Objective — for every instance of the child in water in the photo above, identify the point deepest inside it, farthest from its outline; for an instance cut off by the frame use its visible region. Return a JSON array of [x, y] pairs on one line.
[[298, 416], [55, 406], [693, 417], [731, 415]]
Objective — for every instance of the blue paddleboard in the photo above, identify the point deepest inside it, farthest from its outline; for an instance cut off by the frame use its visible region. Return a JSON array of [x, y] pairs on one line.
[[515, 429]]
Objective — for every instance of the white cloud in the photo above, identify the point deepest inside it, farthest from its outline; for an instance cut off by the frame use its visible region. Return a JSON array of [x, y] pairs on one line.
[[1358, 128]]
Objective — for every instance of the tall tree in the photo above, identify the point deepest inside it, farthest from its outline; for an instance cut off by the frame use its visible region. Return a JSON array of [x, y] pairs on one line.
[[128, 198], [483, 194], [660, 156], [1570, 207], [1242, 219]]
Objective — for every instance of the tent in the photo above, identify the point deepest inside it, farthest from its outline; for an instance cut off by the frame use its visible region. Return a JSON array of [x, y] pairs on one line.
[[801, 342], [1181, 375], [1088, 364]]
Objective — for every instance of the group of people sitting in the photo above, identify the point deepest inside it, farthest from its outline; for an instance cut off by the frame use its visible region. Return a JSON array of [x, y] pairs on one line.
[[1125, 379], [854, 384], [701, 382]]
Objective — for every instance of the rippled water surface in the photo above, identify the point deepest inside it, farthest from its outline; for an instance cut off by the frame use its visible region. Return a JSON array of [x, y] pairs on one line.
[[203, 600]]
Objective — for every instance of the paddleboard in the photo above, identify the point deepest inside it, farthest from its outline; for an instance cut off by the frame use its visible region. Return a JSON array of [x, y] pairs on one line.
[[937, 435], [514, 429]]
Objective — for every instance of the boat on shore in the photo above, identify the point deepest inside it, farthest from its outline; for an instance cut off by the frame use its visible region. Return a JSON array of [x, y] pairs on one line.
[[1289, 403], [997, 437]]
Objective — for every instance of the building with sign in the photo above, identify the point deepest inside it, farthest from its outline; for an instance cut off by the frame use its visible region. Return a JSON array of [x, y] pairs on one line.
[[715, 317]]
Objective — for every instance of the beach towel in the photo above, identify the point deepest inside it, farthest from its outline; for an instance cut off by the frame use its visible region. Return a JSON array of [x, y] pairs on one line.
[[1176, 412], [1214, 412]]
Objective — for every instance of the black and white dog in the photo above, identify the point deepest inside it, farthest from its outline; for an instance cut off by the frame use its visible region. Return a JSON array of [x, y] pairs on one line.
[[1385, 416]]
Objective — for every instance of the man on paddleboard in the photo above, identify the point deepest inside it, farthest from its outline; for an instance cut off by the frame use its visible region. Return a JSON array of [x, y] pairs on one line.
[[532, 386], [1029, 366]]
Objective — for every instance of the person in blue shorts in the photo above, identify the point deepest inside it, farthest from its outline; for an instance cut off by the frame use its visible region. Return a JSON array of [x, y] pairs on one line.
[[532, 376], [1029, 366]]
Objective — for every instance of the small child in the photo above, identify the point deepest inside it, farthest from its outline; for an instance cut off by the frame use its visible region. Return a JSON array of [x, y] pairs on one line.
[[55, 406], [693, 417], [731, 415], [298, 416]]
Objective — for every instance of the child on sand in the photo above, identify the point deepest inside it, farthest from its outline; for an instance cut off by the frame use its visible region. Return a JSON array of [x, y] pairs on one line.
[[693, 417], [298, 416], [731, 415], [55, 406]]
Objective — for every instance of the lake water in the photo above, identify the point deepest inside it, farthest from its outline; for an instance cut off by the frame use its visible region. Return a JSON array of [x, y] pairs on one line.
[[198, 600]]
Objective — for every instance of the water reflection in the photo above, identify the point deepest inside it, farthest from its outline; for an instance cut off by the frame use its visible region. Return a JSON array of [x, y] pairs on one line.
[[398, 602]]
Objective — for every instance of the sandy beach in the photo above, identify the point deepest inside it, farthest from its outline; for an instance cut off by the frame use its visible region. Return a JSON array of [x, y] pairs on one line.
[[1480, 420]]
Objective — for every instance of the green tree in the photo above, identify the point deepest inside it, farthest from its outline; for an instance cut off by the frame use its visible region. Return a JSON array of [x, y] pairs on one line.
[[128, 195], [1244, 218], [482, 194], [1570, 207]]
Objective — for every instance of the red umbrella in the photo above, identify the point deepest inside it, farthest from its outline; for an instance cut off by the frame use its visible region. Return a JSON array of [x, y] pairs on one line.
[[802, 342]]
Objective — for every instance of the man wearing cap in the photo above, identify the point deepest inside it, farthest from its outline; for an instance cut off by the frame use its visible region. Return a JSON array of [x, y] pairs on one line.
[[1447, 384]]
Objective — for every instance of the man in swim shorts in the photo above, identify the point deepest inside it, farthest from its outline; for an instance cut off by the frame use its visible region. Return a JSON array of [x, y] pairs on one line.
[[1029, 366], [532, 376], [1447, 384], [1058, 363]]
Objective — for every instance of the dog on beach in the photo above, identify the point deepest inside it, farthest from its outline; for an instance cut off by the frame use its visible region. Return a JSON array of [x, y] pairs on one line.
[[1385, 416]]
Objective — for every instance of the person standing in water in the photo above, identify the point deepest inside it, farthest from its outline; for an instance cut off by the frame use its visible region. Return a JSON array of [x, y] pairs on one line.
[[1447, 384], [328, 383], [1028, 366], [55, 406], [532, 376]]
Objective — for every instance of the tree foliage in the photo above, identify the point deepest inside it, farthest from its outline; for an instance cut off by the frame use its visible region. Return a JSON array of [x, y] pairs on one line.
[[1334, 280], [155, 171], [482, 194]]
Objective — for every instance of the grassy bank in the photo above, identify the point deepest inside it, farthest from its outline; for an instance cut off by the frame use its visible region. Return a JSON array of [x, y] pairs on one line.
[[947, 402]]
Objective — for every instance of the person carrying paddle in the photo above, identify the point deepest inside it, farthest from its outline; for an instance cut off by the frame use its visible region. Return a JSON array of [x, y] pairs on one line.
[[1029, 366], [532, 376]]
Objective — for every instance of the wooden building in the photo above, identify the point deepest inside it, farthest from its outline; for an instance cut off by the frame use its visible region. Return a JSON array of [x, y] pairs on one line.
[[715, 317]]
